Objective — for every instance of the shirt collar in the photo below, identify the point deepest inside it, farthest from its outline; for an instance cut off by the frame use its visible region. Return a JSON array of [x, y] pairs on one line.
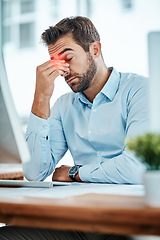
[[111, 86], [109, 89], [82, 98]]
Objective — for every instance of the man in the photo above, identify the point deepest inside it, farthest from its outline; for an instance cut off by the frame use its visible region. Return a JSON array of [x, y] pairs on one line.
[[94, 121]]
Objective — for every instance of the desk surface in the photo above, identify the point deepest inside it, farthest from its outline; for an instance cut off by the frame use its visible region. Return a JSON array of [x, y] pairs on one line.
[[9, 171], [89, 212]]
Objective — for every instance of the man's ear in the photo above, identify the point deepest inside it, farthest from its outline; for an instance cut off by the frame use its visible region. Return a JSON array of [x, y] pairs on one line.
[[95, 49]]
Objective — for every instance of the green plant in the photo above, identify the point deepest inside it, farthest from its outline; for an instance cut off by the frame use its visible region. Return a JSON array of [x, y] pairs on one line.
[[147, 148]]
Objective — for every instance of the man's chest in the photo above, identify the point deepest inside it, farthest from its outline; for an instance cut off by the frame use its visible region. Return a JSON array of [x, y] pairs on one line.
[[100, 126]]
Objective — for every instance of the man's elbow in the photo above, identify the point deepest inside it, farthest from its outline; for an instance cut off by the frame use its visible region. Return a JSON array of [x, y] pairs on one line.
[[30, 173], [136, 176]]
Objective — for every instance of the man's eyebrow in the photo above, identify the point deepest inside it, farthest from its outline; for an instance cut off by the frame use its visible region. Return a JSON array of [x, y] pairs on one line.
[[65, 50], [61, 53]]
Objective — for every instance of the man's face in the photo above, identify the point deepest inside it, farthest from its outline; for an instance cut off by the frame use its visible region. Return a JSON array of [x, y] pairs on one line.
[[81, 64]]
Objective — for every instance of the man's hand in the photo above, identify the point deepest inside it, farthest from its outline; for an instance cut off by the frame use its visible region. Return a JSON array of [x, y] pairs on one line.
[[61, 174], [45, 77]]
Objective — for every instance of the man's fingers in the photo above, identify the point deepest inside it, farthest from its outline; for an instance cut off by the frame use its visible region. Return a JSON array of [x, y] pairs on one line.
[[51, 63], [60, 68], [54, 70]]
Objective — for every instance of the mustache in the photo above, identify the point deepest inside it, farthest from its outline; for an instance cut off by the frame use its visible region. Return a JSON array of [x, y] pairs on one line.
[[70, 76]]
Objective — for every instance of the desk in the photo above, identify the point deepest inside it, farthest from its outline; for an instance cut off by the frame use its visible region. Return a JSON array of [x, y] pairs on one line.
[[90, 212], [11, 172]]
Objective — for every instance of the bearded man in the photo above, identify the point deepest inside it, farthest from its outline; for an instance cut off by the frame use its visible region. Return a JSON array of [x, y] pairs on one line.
[[94, 121]]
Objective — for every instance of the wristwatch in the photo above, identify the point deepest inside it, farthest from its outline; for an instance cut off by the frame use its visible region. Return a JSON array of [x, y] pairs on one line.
[[73, 171]]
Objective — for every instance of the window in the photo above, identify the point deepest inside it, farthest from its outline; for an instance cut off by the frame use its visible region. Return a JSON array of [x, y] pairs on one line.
[[26, 35], [7, 9], [27, 6], [6, 36], [18, 23]]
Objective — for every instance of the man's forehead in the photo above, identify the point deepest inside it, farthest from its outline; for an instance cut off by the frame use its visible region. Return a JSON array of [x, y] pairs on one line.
[[55, 48], [59, 46]]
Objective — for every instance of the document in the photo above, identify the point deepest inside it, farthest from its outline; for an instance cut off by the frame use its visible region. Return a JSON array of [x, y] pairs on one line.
[[73, 189]]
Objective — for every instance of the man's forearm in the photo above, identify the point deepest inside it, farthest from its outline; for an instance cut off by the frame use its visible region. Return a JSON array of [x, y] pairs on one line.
[[42, 162], [45, 77], [41, 107]]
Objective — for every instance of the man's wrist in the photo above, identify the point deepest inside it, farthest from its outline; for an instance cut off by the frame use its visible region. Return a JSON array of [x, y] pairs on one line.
[[41, 108], [77, 177], [73, 173]]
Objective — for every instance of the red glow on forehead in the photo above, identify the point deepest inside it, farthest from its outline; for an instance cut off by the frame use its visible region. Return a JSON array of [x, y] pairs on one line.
[[57, 62], [58, 52], [53, 52], [56, 57]]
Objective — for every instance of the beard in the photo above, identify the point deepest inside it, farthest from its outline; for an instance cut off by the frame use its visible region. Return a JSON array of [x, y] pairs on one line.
[[85, 78]]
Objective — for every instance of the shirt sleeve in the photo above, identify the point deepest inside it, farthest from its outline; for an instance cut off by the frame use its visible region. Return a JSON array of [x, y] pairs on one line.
[[124, 168], [45, 149]]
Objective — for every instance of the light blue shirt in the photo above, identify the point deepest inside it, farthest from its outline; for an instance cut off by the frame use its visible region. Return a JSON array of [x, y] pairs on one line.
[[95, 134]]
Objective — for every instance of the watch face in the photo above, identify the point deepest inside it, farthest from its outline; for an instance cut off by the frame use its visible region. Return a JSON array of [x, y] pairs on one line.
[[73, 170]]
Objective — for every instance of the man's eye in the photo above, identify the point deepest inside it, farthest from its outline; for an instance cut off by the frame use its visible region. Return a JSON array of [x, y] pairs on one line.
[[69, 59]]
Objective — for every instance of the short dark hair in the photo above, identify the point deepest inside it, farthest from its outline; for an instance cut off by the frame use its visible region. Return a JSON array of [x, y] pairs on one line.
[[81, 28]]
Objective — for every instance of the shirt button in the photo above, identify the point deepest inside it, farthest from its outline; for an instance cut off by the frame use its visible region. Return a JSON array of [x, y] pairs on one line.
[[90, 132], [98, 153], [94, 110]]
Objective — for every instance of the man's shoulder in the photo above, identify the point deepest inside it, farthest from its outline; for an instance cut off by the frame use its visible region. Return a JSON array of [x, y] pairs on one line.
[[133, 80], [130, 77], [132, 83]]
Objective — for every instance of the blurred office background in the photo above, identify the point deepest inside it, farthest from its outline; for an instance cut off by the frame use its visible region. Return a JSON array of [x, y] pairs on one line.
[[123, 25]]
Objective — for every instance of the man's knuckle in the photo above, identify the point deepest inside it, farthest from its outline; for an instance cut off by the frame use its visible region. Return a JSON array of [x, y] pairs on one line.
[[37, 68]]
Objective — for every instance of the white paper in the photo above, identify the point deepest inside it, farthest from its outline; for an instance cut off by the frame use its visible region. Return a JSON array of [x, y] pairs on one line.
[[75, 190]]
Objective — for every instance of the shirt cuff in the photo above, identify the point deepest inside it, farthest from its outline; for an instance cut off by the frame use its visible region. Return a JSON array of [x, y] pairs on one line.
[[38, 125], [85, 172]]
